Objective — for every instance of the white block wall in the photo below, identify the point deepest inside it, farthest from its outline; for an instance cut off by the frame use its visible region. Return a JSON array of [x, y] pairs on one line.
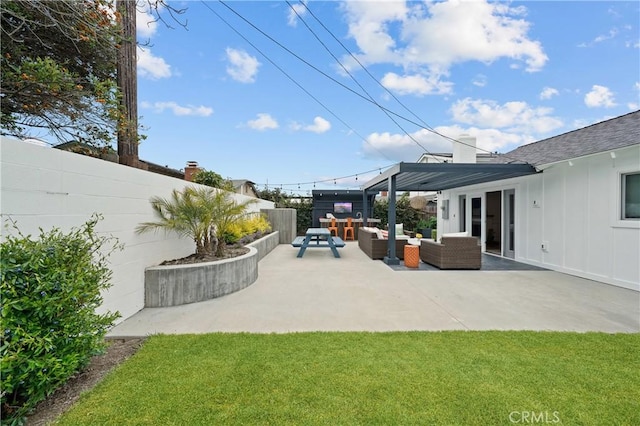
[[46, 188]]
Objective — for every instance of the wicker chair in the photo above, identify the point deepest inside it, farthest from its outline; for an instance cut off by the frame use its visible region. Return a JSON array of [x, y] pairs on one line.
[[452, 253]]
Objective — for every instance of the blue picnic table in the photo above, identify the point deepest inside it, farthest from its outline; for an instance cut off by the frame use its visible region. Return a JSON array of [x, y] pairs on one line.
[[316, 238]]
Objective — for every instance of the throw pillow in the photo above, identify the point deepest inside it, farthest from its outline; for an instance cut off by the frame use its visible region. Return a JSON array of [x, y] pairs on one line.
[[453, 234]]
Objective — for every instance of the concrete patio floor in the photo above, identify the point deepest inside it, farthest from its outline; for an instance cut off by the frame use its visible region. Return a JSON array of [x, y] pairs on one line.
[[354, 293]]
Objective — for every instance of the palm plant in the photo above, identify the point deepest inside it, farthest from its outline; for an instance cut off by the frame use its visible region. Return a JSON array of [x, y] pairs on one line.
[[226, 211], [202, 214]]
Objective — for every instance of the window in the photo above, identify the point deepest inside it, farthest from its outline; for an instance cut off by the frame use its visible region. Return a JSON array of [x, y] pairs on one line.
[[631, 196]]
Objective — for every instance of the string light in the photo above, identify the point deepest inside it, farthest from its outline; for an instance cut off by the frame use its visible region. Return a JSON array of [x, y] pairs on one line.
[[335, 179]]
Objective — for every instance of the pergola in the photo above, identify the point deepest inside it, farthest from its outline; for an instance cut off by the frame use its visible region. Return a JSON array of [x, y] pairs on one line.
[[434, 177]]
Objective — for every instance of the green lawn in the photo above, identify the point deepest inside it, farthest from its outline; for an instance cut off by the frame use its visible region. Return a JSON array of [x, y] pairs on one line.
[[430, 378]]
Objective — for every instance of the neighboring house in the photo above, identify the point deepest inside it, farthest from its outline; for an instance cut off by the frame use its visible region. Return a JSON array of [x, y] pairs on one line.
[[240, 186], [245, 187], [462, 153], [109, 154], [105, 152], [580, 215]]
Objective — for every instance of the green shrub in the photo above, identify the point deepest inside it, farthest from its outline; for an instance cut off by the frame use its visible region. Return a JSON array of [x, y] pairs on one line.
[[433, 222], [50, 329], [405, 214], [251, 225], [256, 223]]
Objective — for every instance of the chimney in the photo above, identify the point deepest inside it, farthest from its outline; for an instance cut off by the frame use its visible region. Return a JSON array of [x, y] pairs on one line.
[[464, 152], [190, 170]]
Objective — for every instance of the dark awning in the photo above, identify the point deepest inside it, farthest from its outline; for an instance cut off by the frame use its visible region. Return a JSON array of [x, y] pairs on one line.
[[442, 176]]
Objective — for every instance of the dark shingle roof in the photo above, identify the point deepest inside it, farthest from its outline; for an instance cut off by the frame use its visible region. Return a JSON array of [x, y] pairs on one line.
[[605, 136]]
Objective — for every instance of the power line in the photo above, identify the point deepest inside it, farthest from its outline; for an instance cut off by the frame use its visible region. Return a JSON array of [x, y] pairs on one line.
[[353, 78], [378, 169], [429, 129], [424, 124], [370, 100], [294, 81]]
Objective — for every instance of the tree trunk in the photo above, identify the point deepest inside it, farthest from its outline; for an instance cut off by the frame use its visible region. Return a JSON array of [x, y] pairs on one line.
[[128, 84]]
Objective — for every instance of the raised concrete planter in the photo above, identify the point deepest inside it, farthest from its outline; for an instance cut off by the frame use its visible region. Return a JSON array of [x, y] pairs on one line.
[[172, 285], [265, 244]]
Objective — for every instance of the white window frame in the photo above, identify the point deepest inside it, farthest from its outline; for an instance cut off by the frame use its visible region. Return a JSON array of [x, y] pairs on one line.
[[622, 192], [616, 200]]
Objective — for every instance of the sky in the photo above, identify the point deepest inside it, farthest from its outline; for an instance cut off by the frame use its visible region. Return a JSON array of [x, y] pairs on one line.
[[327, 94]]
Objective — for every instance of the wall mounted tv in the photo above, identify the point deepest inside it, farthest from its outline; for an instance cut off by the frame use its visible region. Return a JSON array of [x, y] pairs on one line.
[[342, 207]]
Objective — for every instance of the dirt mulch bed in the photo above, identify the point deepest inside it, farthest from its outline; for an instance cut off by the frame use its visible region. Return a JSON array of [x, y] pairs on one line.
[[229, 252], [62, 399]]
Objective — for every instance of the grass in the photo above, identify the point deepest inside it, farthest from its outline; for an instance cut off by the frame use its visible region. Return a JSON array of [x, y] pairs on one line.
[[448, 378]]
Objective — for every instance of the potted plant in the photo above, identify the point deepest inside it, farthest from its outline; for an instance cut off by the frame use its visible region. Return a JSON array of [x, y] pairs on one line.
[[427, 227], [421, 228]]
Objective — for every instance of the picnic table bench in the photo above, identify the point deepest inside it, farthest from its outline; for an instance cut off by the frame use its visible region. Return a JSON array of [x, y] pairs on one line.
[[317, 238]]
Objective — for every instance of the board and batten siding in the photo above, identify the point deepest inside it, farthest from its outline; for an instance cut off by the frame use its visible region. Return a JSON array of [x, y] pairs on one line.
[[574, 208]]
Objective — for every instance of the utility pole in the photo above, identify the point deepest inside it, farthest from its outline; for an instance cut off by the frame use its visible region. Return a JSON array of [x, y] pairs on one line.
[[128, 84]]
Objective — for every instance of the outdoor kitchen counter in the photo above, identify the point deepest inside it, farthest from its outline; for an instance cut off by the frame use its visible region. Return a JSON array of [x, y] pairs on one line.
[[357, 223]]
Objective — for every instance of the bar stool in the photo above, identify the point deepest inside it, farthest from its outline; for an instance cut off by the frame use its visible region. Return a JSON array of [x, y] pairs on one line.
[[348, 229], [333, 226]]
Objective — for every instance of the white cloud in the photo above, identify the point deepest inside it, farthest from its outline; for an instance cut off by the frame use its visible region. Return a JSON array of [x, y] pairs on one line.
[[368, 25], [263, 122], [296, 10], [601, 38], [415, 84], [320, 125], [430, 38], [400, 147], [480, 80], [548, 93], [599, 96], [150, 66], [146, 24], [612, 34], [511, 116], [242, 66], [179, 110]]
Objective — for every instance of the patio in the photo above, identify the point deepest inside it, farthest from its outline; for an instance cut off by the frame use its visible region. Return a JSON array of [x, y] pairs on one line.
[[354, 293]]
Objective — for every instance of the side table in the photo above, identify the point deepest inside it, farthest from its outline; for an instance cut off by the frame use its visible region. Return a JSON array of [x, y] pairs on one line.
[[411, 256]]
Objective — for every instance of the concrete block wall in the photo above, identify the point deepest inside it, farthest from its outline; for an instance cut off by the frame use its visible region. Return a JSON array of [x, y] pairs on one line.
[[284, 221], [46, 188]]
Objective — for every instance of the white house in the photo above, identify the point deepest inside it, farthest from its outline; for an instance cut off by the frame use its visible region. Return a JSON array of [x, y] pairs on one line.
[[580, 214], [569, 203]]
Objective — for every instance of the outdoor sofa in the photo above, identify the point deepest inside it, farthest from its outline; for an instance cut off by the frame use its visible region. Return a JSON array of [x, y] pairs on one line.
[[370, 242], [454, 251]]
